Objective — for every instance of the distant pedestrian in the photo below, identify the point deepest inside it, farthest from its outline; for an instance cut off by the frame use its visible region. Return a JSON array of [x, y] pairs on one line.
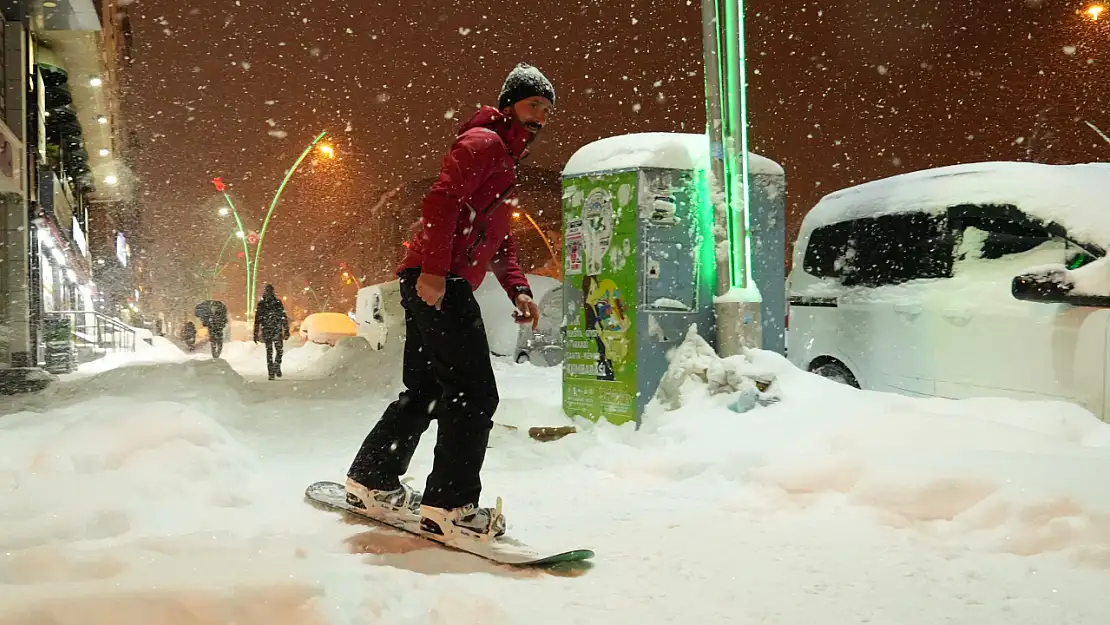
[[213, 315], [272, 326], [189, 335]]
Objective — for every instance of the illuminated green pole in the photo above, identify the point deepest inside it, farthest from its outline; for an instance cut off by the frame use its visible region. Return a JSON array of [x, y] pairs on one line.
[[726, 123], [269, 213], [738, 303], [242, 234], [219, 184]]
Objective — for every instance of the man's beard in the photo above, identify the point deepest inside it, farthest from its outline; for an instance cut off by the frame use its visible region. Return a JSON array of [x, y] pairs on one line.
[[533, 131]]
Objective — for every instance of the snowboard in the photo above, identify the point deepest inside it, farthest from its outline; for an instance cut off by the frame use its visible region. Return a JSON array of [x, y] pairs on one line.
[[503, 550]]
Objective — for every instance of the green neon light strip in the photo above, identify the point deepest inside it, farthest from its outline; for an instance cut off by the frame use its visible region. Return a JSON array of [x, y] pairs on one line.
[[273, 204], [745, 164], [736, 127]]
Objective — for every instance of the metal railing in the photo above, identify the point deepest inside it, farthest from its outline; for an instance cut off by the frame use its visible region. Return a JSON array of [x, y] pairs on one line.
[[100, 331]]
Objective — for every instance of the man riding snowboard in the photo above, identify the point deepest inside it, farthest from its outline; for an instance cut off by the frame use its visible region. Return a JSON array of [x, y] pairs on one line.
[[448, 376]]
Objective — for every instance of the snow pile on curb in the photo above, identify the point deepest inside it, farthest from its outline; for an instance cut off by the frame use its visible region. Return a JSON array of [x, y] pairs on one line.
[[1010, 476], [696, 370]]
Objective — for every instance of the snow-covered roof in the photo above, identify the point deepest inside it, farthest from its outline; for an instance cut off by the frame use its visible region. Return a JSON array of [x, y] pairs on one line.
[[661, 150], [1076, 197]]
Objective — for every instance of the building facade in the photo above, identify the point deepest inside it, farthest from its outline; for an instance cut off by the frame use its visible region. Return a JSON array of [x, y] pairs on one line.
[[62, 179]]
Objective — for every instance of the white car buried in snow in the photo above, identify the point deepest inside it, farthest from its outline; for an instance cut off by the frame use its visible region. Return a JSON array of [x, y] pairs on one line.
[[327, 327], [986, 279]]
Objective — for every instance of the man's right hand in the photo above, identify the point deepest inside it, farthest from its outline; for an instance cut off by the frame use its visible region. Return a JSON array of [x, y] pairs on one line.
[[431, 289]]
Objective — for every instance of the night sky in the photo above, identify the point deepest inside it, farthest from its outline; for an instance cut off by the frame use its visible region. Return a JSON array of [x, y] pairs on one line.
[[839, 93]]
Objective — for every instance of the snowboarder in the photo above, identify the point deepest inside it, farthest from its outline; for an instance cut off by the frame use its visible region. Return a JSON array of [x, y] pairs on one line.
[[189, 335], [272, 326], [447, 371]]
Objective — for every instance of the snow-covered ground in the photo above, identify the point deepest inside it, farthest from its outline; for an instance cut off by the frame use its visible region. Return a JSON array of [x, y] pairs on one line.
[[169, 490]]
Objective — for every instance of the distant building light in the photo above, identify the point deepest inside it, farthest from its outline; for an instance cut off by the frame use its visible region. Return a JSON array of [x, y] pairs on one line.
[[105, 151], [101, 119], [111, 179], [95, 81]]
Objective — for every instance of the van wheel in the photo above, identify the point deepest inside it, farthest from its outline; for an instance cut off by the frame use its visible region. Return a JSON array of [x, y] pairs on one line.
[[837, 373], [522, 358]]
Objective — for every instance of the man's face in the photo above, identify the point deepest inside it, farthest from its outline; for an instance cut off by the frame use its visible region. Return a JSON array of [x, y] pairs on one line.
[[533, 112]]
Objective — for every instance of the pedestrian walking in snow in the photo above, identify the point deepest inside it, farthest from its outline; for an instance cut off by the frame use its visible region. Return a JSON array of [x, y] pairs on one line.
[[189, 335], [447, 373], [271, 325], [213, 315]]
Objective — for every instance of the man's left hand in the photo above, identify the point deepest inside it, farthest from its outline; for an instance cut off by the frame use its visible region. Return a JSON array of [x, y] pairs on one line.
[[527, 311]]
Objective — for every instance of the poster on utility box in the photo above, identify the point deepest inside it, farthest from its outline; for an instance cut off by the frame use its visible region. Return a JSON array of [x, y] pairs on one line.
[[599, 265]]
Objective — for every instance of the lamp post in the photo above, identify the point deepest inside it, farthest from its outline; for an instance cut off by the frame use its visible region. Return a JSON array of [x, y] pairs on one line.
[[241, 233], [543, 235], [273, 204]]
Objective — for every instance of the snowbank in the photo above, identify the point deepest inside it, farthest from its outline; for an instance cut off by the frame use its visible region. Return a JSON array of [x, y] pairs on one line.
[[249, 358], [160, 350], [172, 493], [661, 150], [1073, 196], [1003, 475], [152, 493]]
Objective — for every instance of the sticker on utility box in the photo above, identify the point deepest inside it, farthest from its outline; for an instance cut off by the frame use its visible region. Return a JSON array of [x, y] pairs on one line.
[[574, 247]]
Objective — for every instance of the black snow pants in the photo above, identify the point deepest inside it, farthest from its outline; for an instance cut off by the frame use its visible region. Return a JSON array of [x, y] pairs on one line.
[[216, 341], [448, 377], [274, 349]]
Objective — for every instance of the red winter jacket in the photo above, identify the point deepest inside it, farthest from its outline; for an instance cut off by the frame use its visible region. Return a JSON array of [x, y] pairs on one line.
[[465, 218]]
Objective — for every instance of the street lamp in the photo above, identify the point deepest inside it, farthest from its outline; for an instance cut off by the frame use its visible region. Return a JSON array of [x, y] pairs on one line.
[[327, 151], [223, 211], [550, 249], [1095, 11]]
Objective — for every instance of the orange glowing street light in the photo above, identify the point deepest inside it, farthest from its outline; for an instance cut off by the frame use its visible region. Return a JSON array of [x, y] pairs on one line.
[[1095, 11], [327, 151], [550, 250]]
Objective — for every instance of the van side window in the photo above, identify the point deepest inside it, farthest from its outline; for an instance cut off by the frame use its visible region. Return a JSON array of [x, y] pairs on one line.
[[826, 252], [889, 249], [999, 231], [892, 249]]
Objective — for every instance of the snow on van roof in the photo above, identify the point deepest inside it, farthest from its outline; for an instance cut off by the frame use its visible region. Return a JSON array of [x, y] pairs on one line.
[[662, 150], [1076, 197]]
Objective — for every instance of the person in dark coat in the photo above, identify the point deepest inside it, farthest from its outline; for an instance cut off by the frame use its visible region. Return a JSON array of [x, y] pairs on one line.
[[465, 232], [216, 323], [272, 326], [189, 335]]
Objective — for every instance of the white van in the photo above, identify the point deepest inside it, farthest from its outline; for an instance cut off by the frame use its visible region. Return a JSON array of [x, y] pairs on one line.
[[379, 314], [988, 279]]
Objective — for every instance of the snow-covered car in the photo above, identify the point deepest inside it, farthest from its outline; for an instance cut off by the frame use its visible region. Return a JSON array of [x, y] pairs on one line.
[[984, 279], [543, 346], [380, 316], [378, 313], [327, 327]]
